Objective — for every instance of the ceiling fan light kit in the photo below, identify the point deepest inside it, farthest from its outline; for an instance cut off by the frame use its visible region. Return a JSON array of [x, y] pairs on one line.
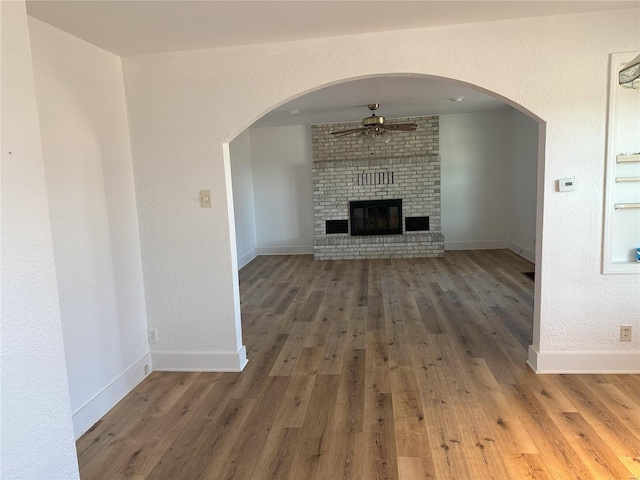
[[374, 129]]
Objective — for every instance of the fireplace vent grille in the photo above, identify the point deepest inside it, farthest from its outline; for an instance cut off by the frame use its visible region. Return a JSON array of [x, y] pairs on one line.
[[416, 224], [375, 178], [337, 226]]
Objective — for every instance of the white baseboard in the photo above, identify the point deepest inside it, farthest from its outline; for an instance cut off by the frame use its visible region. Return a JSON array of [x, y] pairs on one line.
[[245, 259], [200, 361], [92, 411], [523, 252], [477, 245], [289, 250], [583, 362]]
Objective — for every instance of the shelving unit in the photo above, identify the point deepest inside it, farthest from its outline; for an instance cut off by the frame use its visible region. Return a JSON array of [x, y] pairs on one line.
[[622, 195]]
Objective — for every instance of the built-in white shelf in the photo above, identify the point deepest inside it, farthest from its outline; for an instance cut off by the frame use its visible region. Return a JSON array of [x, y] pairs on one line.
[[623, 267], [622, 197], [628, 158]]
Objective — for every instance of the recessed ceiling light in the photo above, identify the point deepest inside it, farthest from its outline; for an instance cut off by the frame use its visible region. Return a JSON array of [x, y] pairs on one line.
[[456, 99], [294, 112]]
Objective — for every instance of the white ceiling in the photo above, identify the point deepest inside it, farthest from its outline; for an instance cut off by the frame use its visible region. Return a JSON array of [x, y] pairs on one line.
[[148, 26]]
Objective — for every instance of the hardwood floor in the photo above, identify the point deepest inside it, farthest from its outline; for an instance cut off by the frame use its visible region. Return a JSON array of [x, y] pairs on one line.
[[376, 369]]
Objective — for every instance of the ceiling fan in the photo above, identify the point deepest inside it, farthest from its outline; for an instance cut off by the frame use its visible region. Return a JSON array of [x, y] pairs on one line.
[[373, 128]]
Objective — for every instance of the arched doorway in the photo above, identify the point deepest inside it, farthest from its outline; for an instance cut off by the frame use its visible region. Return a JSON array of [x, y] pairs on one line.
[[459, 183]]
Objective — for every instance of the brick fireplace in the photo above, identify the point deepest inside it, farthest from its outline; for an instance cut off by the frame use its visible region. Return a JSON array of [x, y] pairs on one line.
[[377, 203]]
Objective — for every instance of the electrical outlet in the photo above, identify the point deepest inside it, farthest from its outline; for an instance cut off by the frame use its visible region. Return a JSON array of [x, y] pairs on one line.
[[625, 333], [152, 334], [146, 369]]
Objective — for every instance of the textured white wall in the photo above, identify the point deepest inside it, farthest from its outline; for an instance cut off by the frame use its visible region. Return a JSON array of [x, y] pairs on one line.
[[87, 157], [243, 206], [184, 106], [37, 433], [524, 165], [282, 166], [476, 179]]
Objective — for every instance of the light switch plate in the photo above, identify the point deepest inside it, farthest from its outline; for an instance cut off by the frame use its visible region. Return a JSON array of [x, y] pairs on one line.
[[205, 198]]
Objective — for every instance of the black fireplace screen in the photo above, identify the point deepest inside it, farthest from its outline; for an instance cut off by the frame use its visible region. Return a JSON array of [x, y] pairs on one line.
[[376, 217]]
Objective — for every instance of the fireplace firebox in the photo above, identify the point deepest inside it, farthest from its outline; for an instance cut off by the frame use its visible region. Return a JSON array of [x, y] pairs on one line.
[[376, 217]]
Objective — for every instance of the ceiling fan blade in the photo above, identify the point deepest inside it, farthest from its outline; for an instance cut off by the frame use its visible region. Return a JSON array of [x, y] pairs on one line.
[[339, 133], [406, 127]]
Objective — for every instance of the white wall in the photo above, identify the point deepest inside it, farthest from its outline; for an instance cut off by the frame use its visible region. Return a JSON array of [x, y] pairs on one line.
[[37, 433], [524, 166], [282, 167], [243, 206], [476, 180], [185, 106], [87, 158]]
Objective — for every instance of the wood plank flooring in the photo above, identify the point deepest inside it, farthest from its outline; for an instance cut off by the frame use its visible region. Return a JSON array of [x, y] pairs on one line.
[[376, 369]]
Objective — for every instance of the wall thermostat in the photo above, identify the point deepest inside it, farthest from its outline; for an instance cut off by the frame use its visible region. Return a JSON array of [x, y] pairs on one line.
[[567, 184]]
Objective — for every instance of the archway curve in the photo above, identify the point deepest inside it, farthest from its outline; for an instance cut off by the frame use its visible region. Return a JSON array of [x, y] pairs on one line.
[[463, 83], [539, 187]]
